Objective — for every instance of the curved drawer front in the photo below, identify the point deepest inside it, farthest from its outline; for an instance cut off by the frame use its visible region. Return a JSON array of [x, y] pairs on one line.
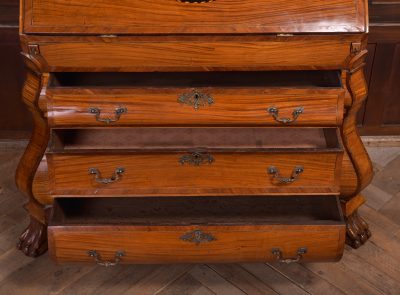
[[195, 106], [194, 173], [221, 229], [189, 16], [166, 244], [195, 54]]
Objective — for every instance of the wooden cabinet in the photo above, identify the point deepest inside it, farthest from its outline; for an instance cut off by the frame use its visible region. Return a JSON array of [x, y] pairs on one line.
[[163, 137]]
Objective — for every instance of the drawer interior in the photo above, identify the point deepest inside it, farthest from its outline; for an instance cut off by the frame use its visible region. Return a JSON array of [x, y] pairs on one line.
[[216, 138], [314, 79], [181, 211]]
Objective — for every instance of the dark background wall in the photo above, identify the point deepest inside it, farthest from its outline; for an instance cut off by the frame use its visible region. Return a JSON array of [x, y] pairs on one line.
[[379, 116], [15, 120]]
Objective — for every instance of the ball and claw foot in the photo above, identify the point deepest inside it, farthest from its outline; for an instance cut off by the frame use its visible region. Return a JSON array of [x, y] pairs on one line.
[[357, 230], [33, 241]]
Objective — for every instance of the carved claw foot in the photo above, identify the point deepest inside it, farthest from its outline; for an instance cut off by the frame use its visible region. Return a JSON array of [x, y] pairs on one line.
[[33, 241], [357, 230]]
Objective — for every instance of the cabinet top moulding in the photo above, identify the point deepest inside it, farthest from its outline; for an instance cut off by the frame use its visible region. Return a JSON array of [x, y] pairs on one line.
[[94, 17]]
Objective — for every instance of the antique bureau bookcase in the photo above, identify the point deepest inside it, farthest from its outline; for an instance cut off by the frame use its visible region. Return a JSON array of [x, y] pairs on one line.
[[173, 131]]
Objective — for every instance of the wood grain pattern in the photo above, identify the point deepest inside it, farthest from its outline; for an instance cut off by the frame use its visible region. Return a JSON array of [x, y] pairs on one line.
[[162, 174], [178, 55], [33, 241], [231, 106], [155, 244], [351, 139], [170, 16]]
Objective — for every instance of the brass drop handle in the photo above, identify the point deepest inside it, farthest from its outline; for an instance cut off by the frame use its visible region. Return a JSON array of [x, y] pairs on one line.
[[115, 177], [117, 114], [285, 180], [274, 111], [197, 158], [279, 257], [97, 258]]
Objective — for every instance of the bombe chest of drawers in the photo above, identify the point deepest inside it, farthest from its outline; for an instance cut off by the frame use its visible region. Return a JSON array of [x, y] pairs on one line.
[[190, 131]]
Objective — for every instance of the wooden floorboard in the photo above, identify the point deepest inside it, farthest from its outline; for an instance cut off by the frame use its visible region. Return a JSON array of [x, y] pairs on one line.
[[372, 269]]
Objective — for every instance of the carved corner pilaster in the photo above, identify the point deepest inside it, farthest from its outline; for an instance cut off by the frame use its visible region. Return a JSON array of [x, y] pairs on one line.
[[357, 229], [357, 87], [33, 240]]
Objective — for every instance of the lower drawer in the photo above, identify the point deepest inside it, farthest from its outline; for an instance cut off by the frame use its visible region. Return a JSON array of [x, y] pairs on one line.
[[194, 230]]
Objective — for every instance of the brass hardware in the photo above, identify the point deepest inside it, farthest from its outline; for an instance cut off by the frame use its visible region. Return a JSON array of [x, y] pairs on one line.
[[284, 35], [34, 49], [285, 180], [279, 257], [197, 158], [118, 112], [97, 258], [108, 36], [355, 48], [195, 1], [196, 99], [198, 237], [115, 177], [274, 111]]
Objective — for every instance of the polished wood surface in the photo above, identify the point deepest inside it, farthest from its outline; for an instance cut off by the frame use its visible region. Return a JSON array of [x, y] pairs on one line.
[[170, 16], [218, 53], [249, 232], [379, 118], [33, 241]]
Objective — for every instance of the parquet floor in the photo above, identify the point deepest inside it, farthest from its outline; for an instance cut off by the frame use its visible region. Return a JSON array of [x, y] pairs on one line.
[[372, 269]]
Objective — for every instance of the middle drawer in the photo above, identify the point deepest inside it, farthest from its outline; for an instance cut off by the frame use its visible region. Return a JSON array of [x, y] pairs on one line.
[[195, 161], [304, 98]]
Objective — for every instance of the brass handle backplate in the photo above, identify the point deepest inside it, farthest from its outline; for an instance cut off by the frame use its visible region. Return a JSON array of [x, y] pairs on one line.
[[195, 1], [198, 237], [115, 177], [97, 258], [274, 111], [279, 257], [196, 99], [197, 158], [285, 180], [117, 114]]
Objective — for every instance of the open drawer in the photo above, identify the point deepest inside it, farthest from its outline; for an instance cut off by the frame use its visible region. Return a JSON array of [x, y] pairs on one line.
[[297, 98], [207, 229], [194, 161]]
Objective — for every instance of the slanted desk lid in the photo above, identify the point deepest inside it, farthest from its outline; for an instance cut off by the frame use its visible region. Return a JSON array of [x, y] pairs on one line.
[[193, 16]]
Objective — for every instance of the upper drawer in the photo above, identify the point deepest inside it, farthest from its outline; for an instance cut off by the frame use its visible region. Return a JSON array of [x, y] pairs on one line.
[[302, 98], [181, 16]]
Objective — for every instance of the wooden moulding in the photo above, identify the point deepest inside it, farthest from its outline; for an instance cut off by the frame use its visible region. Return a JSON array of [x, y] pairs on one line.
[[150, 230], [225, 53], [176, 17]]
